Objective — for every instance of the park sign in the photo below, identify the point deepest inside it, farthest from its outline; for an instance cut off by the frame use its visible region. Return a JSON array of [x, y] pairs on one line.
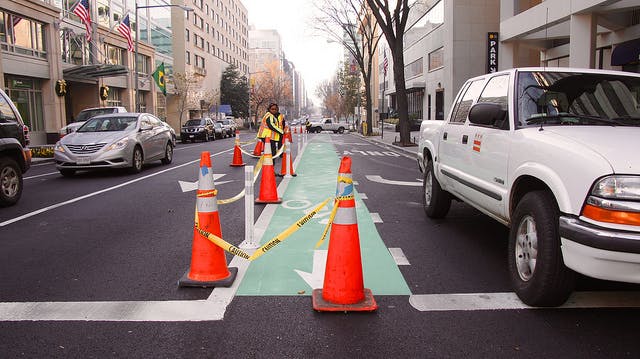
[[492, 52]]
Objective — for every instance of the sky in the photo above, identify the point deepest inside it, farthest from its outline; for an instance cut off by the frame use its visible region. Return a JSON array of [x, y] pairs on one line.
[[309, 51]]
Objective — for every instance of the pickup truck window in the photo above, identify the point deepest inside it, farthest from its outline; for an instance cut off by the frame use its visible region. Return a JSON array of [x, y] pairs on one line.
[[497, 91], [563, 98], [462, 108]]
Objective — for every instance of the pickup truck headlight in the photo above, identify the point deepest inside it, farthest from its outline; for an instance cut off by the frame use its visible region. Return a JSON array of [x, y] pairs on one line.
[[615, 199]]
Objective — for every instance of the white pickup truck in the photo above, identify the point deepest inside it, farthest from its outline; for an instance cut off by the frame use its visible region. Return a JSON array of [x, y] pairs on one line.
[[554, 154], [327, 124]]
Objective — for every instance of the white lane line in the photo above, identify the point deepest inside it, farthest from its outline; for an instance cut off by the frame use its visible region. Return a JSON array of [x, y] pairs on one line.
[[376, 217], [73, 200], [42, 175], [510, 301], [399, 257], [363, 195], [133, 311], [379, 179]]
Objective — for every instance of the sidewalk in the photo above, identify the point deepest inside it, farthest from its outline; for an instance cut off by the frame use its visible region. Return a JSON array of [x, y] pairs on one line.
[[389, 136]]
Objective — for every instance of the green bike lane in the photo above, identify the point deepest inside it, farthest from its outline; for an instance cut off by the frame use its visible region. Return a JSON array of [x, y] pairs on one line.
[[275, 272]]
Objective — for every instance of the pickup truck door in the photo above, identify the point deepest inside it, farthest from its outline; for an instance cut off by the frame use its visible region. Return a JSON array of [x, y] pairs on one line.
[[488, 149], [453, 157]]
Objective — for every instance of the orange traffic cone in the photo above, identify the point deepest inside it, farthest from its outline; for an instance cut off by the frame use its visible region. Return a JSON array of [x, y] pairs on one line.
[[237, 154], [257, 151], [343, 288], [286, 169], [208, 261], [268, 190]]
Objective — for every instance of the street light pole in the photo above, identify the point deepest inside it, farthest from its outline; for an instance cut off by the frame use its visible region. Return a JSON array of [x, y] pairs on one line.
[[135, 56]]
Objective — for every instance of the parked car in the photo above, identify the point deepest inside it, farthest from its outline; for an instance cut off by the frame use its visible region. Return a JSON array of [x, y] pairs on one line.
[[327, 124], [15, 156], [228, 126], [86, 114], [119, 140], [198, 129], [553, 155], [218, 130]]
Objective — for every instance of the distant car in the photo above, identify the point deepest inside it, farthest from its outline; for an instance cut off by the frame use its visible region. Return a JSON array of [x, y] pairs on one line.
[[198, 129], [15, 156], [119, 140], [86, 114], [218, 130], [229, 126]]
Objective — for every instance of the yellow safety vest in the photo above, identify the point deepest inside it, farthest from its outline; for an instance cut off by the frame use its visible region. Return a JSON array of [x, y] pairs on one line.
[[265, 131]]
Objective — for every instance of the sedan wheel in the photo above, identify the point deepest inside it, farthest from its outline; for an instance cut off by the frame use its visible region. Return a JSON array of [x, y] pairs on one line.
[[136, 160], [168, 154], [10, 182]]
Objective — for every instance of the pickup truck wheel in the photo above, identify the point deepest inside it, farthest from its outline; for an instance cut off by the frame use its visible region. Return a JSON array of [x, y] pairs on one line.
[[341, 130], [538, 274], [435, 201], [10, 182]]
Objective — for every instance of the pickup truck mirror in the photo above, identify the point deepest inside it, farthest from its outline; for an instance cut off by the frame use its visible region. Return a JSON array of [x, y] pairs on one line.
[[488, 114]]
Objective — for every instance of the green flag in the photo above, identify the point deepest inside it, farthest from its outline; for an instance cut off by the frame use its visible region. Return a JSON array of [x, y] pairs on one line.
[[158, 75]]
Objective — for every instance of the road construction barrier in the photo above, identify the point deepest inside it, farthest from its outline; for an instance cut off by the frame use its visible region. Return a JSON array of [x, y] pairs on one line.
[[268, 189], [208, 261], [343, 287], [286, 166], [237, 154]]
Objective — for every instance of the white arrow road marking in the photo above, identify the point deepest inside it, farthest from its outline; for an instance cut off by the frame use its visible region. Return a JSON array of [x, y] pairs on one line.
[[502, 301], [192, 186], [376, 217], [378, 179], [315, 279]]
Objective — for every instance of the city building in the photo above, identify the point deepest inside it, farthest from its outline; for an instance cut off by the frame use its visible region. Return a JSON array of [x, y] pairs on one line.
[[445, 42], [52, 65], [579, 33]]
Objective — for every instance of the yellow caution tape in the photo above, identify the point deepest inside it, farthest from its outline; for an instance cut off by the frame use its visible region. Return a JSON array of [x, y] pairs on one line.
[[289, 231], [256, 171], [223, 244], [326, 228]]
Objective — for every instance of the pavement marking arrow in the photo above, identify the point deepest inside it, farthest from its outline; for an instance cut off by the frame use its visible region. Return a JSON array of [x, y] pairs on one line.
[[192, 186], [378, 179], [315, 279]]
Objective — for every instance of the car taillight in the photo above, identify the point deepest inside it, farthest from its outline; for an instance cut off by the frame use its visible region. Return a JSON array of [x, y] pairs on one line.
[[25, 129]]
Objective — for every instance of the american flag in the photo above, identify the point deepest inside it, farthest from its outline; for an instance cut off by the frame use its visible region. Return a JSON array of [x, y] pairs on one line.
[[82, 11], [124, 28], [14, 22], [385, 63]]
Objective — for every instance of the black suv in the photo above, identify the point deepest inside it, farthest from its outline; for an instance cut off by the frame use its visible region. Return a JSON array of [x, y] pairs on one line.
[[15, 157], [198, 129]]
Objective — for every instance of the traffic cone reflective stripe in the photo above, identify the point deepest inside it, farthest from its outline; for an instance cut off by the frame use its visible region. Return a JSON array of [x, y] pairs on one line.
[[343, 287], [268, 191], [257, 151], [208, 261], [237, 153]]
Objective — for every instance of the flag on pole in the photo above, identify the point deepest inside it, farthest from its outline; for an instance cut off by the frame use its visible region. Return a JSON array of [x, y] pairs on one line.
[[82, 11], [124, 28], [385, 62], [158, 75]]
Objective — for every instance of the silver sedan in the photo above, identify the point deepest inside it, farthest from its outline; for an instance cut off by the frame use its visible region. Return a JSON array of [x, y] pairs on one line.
[[119, 140]]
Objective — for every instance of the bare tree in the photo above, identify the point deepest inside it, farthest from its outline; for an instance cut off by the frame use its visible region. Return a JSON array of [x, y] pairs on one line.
[[187, 89], [350, 23], [393, 26], [270, 85]]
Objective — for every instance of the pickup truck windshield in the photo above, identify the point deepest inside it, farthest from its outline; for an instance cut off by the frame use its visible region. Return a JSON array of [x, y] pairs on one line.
[[564, 98]]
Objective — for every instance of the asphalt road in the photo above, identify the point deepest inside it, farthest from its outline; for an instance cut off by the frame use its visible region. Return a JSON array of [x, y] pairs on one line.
[[113, 237]]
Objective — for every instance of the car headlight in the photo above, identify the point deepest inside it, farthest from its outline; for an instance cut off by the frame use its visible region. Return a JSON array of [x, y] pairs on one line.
[[118, 145], [59, 147], [615, 199]]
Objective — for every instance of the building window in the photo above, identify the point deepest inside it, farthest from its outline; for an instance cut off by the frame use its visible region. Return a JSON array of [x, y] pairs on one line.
[[188, 57], [142, 103], [113, 54], [26, 94], [436, 59], [74, 48], [113, 98], [413, 69], [143, 65], [22, 35]]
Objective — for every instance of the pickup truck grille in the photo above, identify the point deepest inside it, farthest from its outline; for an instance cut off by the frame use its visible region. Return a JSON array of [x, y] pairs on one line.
[[85, 149]]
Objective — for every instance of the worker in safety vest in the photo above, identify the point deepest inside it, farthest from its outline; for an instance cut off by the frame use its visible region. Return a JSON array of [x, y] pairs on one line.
[[271, 127]]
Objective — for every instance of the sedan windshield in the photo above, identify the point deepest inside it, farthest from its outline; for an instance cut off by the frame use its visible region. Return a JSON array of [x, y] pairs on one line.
[[563, 98], [109, 124], [87, 114]]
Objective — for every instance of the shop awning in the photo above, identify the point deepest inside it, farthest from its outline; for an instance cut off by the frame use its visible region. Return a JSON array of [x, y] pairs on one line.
[[626, 53], [93, 72]]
